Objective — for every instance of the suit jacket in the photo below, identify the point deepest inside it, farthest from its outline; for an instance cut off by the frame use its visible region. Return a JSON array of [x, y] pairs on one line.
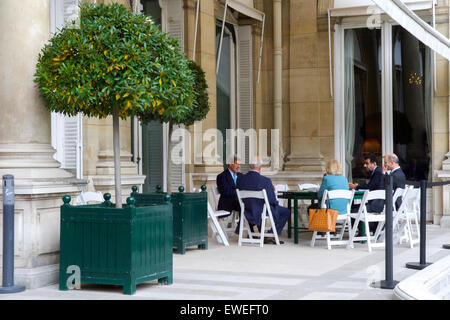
[[398, 174], [334, 182], [228, 200], [376, 181], [253, 207]]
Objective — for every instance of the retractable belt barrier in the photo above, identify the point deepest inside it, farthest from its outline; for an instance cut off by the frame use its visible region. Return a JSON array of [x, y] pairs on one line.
[[389, 283]]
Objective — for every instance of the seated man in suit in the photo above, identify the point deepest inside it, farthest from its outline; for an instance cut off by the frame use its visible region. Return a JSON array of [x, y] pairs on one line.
[[392, 166], [376, 182], [253, 180], [226, 184]]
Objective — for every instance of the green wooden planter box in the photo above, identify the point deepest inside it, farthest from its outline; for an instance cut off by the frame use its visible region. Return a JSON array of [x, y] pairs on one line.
[[190, 216], [114, 246]]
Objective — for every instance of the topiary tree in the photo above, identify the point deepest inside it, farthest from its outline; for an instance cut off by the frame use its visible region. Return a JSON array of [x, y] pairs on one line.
[[116, 63], [201, 102]]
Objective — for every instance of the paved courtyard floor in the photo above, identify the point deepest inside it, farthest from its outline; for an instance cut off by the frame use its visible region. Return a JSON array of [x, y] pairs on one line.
[[287, 272]]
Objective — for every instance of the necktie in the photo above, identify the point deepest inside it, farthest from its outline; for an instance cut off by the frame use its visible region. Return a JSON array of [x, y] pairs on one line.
[[234, 177]]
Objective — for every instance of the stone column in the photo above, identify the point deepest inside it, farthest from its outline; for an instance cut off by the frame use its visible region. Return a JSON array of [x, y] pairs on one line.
[[310, 103], [25, 144], [441, 130], [277, 80]]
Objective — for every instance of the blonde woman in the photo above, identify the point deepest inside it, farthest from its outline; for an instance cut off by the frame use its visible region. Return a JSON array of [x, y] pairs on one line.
[[334, 180]]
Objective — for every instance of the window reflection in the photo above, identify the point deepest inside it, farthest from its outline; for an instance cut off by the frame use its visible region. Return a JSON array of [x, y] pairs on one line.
[[412, 88]]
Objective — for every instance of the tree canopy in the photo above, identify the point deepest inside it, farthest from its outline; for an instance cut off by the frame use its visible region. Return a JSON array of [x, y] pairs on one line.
[[115, 59]]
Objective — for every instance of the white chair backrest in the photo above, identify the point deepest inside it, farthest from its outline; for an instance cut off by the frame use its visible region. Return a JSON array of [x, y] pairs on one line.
[[244, 194], [84, 197], [338, 194], [399, 192], [215, 195], [414, 199], [376, 194], [261, 194], [406, 199], [371, 195], [308, 186], [281, 187]]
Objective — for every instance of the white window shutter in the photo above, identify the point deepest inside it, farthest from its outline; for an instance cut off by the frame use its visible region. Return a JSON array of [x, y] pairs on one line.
[[66, 131], [245, 86], [177, 170], [175, 28]]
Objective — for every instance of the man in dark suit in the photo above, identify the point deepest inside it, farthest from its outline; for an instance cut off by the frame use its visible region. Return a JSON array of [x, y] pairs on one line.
[[376, 182], [226, 184], [391, 165], [253, 180]]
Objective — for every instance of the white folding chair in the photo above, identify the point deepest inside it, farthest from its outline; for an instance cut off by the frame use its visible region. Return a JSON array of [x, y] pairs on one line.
[[399, 192], [216, 227], [266, 213], [230, 222], [343, 220], [366, 217], [409, 212], [280, 188], [308, 186], [216, 194], [283, 202], [85, 197]]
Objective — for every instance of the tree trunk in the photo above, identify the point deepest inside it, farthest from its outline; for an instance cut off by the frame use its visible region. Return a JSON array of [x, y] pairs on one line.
[[169, 161], [116, 141]]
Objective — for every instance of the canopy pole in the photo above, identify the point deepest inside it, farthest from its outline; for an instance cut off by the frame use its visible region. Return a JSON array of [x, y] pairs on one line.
[[196, 26], [261, 47], [221, 36], [329, 54]]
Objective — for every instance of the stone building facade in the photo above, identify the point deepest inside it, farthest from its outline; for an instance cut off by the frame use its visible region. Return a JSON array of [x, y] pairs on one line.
[[282, 66]]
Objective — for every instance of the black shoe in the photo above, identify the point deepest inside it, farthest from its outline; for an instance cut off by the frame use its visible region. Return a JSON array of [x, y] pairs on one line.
[[272, 241]]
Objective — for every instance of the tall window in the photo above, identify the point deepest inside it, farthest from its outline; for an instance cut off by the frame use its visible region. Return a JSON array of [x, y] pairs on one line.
[[362, 98], [384, 101], [225, 87], [412, 87]]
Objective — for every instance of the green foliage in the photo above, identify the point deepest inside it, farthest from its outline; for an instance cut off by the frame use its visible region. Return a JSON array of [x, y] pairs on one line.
[[201, 102], [118, 59]]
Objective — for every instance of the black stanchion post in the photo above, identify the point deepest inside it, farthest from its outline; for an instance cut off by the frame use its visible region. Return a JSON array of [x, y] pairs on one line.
[[423, 224], [8, 237], [389, 282]]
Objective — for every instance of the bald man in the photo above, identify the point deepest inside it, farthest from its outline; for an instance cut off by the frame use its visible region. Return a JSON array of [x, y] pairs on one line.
[[253, 180], [392, 166]]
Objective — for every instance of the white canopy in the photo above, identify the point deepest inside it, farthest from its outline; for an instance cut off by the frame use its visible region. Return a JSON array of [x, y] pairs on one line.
[[249, 12], [367, 7], [405, 17]]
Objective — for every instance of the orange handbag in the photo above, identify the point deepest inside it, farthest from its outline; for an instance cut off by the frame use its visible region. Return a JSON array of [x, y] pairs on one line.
[[322, 220]]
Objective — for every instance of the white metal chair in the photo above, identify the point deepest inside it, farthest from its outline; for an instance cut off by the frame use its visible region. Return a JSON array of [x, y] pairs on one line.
[[343, 220], [266, 213], [366, 217], [87, 196], [216, 227], [230, 222]]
